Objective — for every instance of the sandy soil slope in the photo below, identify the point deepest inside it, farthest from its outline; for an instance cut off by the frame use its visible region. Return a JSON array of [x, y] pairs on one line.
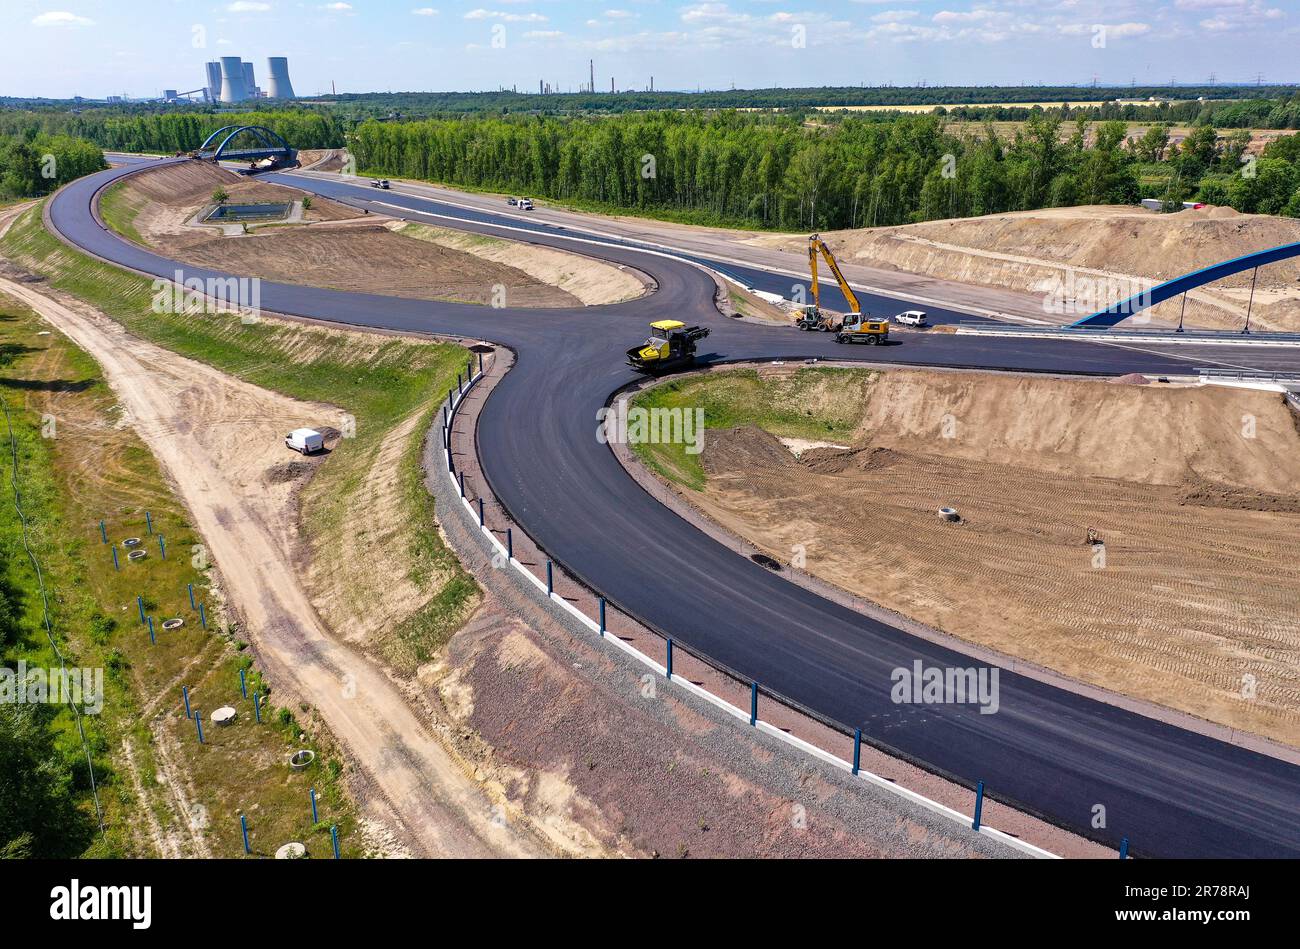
[[344, 249], [1190, 603], [220, 440], [1074, 252]]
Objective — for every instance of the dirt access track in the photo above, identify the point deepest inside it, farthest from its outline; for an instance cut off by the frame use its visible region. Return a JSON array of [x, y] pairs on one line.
[[220, 470], [338, 248], [1190, 600]]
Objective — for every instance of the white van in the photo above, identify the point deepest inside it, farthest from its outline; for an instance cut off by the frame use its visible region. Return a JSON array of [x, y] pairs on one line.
[[305, 440], [525, 204], [911, 318]]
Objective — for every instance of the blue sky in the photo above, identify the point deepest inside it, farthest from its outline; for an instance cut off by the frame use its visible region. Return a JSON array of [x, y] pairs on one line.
[[101, 47]]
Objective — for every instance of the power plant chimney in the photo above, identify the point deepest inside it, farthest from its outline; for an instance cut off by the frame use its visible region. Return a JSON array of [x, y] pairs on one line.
[[278, 86], [250, 84], [214, 80], [592, 86], [232, 80]]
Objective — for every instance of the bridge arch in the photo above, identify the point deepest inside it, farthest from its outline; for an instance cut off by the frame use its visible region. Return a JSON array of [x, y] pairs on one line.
[[1123, 309], [271, 143]]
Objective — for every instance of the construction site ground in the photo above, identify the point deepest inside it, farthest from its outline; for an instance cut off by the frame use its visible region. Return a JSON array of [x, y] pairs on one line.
[[1009, 264], [1190, 601], [337, 247]]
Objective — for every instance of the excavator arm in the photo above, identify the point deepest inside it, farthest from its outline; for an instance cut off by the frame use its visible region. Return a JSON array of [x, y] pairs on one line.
[[815, 245]]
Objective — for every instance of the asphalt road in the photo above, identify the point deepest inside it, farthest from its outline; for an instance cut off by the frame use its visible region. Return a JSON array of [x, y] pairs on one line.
[[1171, 791]]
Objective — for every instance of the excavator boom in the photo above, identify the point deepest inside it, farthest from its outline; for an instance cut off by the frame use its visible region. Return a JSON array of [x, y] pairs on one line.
[[816, 245]]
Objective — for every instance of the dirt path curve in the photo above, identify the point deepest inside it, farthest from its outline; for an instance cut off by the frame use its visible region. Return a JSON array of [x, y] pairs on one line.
[[215, 436]]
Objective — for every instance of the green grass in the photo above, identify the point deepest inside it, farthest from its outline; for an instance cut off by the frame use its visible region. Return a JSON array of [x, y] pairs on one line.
[[821, 403], [378, 381], [76, 467], [119, 211]]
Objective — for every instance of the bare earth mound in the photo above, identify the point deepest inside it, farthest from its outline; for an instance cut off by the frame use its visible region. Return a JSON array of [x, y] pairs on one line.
[[1032, 251], [347, 251], [1191, 601]]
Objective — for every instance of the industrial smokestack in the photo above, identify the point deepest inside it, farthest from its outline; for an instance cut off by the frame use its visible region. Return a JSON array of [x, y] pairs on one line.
[[232, 80], [250, 84], [278, 86], [214, 80], [591, 64]]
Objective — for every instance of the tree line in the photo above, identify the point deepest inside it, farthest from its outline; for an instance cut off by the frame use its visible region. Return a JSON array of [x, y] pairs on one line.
[[35, 166], [774, 171], [177, 130]]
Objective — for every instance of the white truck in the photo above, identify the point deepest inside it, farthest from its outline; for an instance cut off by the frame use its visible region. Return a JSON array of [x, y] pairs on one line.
[[911, 318], [305, 440]]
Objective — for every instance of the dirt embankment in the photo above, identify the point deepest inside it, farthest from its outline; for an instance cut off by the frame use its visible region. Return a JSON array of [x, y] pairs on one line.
[[335, 246], [1189, 602], [1085, 258]]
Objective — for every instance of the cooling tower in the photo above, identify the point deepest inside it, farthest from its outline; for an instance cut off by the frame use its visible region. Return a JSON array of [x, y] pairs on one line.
[[232, 80], [250, 84], [278, 86], [214, 81]]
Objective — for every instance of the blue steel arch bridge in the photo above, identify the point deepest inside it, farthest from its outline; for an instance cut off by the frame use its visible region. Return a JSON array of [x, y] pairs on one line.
[[1123, 309], [259, 146]]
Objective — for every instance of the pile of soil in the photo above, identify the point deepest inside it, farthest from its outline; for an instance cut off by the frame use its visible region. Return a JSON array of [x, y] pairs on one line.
[[1196, 492]]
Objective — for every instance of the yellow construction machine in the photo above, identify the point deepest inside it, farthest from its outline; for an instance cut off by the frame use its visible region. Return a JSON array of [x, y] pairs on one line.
[[670, 346], [854, 325]]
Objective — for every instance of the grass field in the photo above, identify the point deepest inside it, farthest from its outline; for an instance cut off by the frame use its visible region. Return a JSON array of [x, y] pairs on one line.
[[380, 382], [813, 403], [77, 465]]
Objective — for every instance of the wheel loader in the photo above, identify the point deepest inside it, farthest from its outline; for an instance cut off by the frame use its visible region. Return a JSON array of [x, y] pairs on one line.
[[670, 346]]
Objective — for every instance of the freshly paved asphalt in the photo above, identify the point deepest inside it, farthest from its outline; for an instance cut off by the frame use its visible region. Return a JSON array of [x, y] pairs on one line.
[[1171, 791]]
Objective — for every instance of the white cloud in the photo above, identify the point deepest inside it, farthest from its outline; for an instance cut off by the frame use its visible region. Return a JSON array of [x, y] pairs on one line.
[[543, 34], [248, 6], [481, 14], [337, 7], [424, 11], [893, 16], [61, 18], [621, 14]]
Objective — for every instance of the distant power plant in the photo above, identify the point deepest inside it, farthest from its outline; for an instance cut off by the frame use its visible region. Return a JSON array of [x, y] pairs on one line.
[[231, 79], [278, 85]]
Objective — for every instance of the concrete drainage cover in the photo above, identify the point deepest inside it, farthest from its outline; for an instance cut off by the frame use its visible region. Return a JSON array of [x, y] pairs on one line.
[[291, 851], [131, 542], [224, 715], [173, 623], [949, 514], [301, 759], [137, 555]]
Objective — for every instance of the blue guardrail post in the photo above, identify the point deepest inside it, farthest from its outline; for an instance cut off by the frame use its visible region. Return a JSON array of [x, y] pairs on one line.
[[753, 703], [857, 749], [979, 806]]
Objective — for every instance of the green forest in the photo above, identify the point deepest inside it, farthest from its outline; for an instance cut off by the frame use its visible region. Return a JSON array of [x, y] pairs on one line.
[[35, 166], [776, 171]]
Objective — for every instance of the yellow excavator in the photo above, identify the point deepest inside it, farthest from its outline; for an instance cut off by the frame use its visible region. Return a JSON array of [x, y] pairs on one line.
[[854, 326]]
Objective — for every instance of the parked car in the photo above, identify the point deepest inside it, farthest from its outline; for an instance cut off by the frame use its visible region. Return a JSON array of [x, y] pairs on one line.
[[525, 204], [305, 440], [911, 318], [512, 201]]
